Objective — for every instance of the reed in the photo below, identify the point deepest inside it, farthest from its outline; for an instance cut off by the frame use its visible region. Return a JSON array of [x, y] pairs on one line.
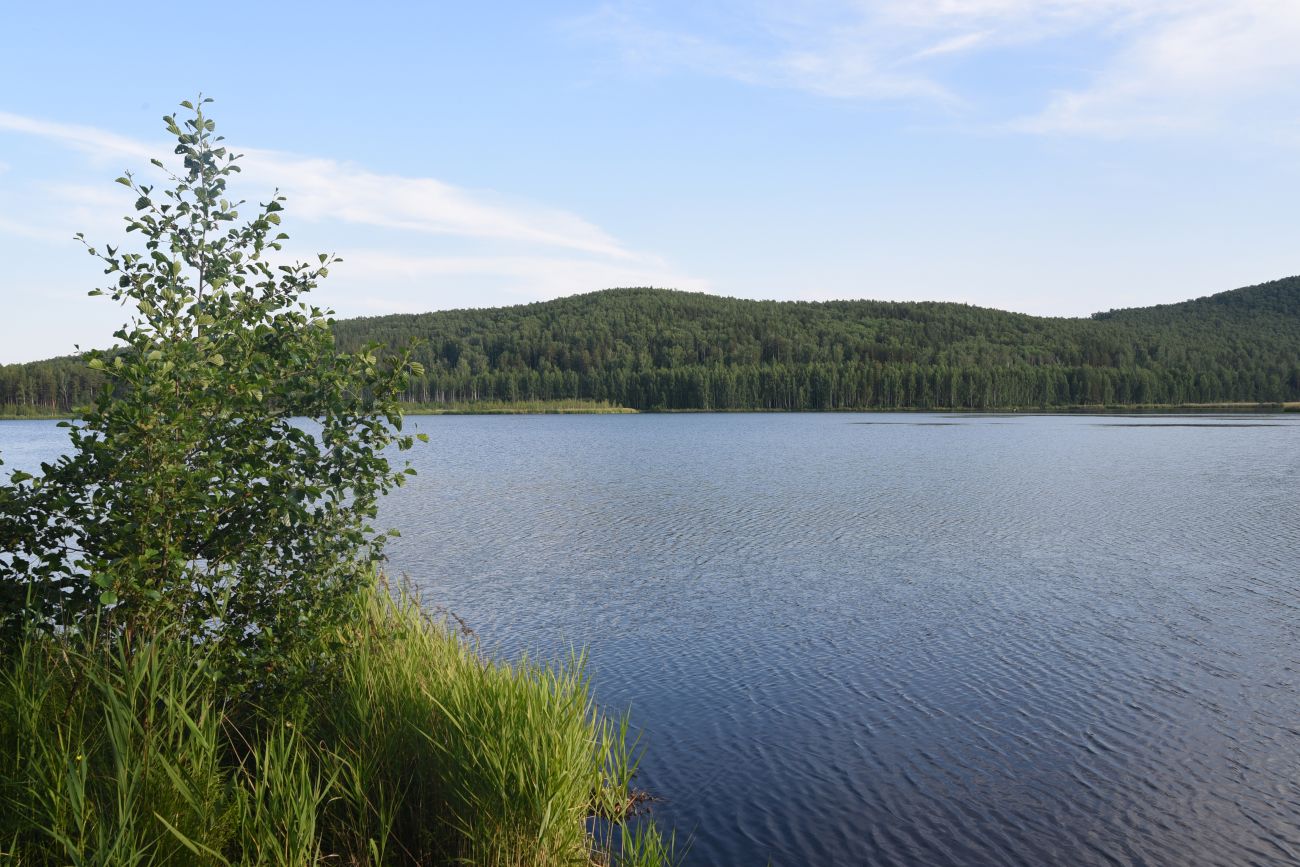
[[410, 748]]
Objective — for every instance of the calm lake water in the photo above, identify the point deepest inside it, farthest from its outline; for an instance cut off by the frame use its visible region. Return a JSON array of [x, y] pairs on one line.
[[897, 639]]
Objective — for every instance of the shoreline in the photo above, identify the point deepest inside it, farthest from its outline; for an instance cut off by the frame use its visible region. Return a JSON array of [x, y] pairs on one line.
[[565, 408]]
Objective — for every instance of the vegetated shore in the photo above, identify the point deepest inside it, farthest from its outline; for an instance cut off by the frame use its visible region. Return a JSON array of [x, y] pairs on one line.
[[1082, 409], [662, 349], [523, 407], [400, 743], [591, 407]]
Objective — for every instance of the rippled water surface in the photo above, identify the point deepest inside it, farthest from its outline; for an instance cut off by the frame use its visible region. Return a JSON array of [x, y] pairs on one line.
[[900, 639]]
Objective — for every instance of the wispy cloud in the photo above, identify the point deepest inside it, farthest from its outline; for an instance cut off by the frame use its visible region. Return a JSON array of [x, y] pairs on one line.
[[330, 189], [94, 142], [1198, 66], [534, 250], [953, 45], [829, 58], [1154, 65], [327, 189], [852, 49]]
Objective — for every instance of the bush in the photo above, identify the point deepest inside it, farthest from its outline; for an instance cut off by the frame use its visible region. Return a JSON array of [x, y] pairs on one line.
[[199, 665], [223, 482]]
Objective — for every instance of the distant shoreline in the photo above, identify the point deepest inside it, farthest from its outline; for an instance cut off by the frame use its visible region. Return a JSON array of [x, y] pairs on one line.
[[524, 407], [600, 408], [1082, 409]]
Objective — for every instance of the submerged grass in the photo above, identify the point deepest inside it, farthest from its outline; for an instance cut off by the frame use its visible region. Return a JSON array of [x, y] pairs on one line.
[[411, 749]]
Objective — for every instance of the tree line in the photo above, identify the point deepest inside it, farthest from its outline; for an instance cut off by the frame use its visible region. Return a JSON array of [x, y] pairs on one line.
[[660, 349]]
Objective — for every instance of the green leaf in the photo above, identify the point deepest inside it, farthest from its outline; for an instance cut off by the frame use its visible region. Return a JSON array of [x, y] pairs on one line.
[[188, 470]]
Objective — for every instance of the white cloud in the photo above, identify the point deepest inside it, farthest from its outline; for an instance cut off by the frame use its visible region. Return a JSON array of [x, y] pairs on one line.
[[89, 140], [532, 251], [851, 49], [953, 45], [1155, 65], [791, 53], [326, 189], [1201, 66], [1010, 18]]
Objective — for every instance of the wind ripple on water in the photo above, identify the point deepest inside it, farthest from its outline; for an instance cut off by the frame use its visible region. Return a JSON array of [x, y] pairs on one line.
[[1008, 640]]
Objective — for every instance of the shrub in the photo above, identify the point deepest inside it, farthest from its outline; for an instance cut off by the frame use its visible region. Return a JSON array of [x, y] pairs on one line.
[[224, 479], [199, 665]]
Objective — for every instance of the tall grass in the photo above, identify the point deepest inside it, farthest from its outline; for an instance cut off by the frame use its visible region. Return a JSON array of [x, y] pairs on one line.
[[411, 748]]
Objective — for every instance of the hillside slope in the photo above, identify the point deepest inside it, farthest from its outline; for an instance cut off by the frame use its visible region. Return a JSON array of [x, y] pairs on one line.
[[654, 348], [663, 349]]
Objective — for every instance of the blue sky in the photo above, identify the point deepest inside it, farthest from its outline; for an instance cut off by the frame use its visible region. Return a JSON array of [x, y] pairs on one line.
[[1049, 156]]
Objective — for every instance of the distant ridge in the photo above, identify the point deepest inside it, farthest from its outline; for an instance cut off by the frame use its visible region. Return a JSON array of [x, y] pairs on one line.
[[664, 349], [1275, 298]]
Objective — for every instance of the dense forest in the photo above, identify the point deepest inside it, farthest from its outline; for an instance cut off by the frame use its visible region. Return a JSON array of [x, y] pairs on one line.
[[660, 349]]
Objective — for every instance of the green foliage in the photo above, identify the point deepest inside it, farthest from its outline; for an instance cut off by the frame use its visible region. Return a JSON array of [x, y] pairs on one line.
[[111, 757], [200, 666], [512, 759], [657, 349], [223, 479], [414, 751]]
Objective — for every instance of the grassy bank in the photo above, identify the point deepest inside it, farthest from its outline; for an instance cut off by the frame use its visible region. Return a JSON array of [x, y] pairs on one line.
[[600, 407], [522, 407], [35, 414], [407, 748]]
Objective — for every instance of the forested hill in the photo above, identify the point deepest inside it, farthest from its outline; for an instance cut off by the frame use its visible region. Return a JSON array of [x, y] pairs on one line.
[[653, 349], [662, 349]]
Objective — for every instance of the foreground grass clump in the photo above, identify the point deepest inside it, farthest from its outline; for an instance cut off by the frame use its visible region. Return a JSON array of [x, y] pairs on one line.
[[409, 748]]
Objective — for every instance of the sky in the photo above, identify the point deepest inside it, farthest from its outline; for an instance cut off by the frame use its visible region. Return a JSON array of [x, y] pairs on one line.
[[1054, 157]]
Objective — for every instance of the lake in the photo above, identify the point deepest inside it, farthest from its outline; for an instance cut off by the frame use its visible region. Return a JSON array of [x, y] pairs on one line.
[[897, 639]]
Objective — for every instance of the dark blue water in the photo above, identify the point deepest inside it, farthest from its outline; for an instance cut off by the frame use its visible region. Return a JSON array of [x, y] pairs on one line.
[[900, 639]]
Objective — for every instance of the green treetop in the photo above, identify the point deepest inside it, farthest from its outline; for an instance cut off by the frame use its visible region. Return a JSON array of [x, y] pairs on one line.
[[225, 478]]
